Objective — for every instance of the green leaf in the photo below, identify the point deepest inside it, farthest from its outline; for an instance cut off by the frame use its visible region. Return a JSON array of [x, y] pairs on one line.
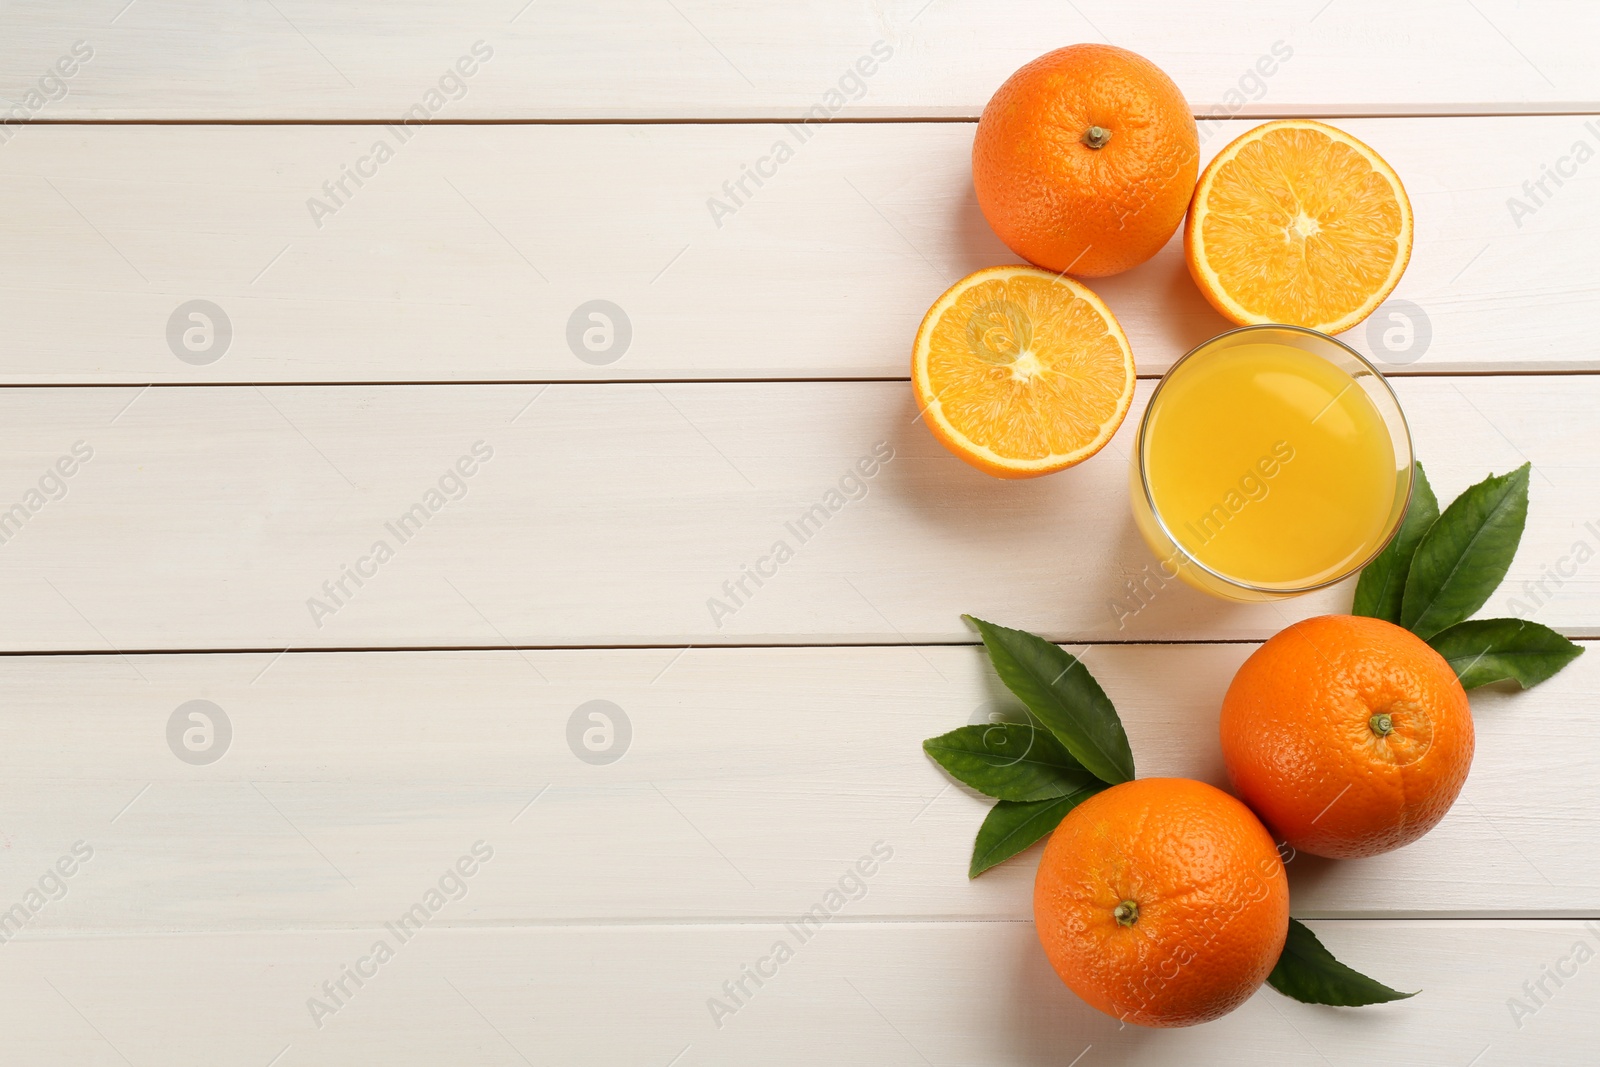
[[1009, 760], [1383, 581], [1065, 697], [1011, 827], [1464, 556], [1495, 650], [1306, 971]]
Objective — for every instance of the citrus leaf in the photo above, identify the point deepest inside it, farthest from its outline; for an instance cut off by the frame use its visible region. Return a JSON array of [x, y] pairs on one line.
[[1497, 650], [1009, 761], [1308, 972], [1383, 581], [1064, 696], [1011, 827], [1464, 556]]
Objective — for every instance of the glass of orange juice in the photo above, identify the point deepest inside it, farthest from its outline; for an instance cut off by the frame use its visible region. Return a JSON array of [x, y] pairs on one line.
[[1271, 461]]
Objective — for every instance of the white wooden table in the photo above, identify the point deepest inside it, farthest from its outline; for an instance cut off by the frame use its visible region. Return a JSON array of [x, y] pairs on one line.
[[421, 331]]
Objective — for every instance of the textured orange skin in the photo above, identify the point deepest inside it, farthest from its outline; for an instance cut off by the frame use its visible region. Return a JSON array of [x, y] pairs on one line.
[[1299, 749], [1212, 895], [1074, 209]]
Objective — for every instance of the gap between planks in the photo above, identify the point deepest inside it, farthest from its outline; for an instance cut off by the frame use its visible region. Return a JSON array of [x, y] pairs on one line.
[[745, 646], [86, 933], [1532, 372], [1578, 108]]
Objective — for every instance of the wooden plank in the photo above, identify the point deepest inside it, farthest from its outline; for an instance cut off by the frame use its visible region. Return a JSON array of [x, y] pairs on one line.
[[741, 783], [295, 59], [473, 252], [224, 517], [892, 994]]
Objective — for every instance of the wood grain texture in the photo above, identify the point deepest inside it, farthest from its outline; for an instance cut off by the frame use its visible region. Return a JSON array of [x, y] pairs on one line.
[[894, 994], [467, 254], [211, 518], [296, 59], [744, 784]]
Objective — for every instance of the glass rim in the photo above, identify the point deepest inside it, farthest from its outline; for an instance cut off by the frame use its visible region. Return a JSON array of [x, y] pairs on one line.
[[1183, 554]]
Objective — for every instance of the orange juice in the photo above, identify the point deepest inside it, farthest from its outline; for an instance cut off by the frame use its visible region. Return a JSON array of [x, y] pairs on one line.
[[1270, 464]]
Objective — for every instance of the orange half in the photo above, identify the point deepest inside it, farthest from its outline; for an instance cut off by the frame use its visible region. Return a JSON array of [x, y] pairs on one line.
[[1299, 223], [1021, 372]]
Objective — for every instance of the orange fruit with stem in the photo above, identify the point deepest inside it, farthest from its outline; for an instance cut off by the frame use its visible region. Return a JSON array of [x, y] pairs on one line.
[[1084, 160], [1349, 736], [1021, 372], [1300, 223], [1162, 902]]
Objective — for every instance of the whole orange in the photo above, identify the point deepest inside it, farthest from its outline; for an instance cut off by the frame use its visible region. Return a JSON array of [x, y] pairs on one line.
[[1349, 736], [1085, 159], [1162, 902]]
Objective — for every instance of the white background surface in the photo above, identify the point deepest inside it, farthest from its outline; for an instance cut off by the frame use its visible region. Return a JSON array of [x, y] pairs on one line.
[[372, 747]]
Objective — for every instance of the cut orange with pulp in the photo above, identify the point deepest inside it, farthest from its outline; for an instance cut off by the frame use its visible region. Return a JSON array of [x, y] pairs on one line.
[[1021, 372], [1298, 222]]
